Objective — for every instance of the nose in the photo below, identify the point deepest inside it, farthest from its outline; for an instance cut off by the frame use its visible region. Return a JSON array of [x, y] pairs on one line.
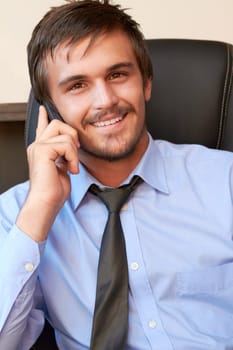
[[104, 95]]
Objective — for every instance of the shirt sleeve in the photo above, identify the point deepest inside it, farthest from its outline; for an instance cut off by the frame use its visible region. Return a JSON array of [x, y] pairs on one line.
[[21, 302]]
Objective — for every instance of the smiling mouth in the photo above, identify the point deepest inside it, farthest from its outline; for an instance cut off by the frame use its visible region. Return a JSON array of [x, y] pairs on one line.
[[109, 121]]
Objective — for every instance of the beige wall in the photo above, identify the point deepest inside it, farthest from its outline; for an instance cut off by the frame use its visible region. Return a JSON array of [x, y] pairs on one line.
[[207, 19]]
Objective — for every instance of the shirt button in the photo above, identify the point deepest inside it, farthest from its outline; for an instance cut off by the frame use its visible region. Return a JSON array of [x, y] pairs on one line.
[[134, 266], [152, 324], [29, 267]]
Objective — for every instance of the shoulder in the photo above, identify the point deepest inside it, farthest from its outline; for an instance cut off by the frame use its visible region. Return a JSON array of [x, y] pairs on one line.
[[207, 170], [192, 154]]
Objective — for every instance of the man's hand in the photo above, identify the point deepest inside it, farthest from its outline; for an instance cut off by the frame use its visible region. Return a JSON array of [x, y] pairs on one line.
[[53, 154]]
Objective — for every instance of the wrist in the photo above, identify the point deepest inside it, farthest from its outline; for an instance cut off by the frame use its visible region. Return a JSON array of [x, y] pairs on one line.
[[36, 218]]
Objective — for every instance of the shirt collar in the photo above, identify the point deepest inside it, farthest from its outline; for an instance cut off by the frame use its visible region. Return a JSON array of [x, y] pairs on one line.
[[151, 169], [80, 184]]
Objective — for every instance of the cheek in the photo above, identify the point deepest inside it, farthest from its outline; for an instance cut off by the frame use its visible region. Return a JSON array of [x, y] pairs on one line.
[[133, 97], [138, 102], [74, 112]]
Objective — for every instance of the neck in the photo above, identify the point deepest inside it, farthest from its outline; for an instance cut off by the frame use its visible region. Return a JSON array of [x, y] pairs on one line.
[[113, 173]]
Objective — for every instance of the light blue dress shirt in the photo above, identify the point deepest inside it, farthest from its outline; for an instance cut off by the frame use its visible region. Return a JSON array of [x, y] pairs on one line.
[[178, 228]]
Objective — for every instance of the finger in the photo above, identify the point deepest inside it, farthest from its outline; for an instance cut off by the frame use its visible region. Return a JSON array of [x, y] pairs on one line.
[[67, 166], [51, 153], [58, 128], [60, 139], [42, 122], [65, 154]]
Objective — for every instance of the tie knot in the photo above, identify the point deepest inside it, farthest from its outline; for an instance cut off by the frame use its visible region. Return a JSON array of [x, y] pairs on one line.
[[114, 198]]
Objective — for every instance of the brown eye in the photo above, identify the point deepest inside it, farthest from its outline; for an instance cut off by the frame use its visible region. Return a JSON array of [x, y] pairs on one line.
[[77, 86], [117, 75]]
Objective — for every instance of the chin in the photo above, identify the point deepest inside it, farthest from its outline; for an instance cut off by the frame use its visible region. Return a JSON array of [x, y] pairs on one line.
[[109, 156], [112, 154], [115, 148]]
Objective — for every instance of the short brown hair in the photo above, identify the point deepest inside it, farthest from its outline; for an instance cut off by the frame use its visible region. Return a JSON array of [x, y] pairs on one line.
[[74, 21]]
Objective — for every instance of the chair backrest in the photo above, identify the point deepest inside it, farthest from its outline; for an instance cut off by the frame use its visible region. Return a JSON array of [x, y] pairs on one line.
[[192, 98]]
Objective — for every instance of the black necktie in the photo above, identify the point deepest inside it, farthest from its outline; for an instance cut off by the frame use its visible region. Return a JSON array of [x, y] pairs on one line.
[[110, 323]]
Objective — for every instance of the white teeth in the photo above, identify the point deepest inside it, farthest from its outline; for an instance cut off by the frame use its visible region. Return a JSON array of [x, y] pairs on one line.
[[108, 122]]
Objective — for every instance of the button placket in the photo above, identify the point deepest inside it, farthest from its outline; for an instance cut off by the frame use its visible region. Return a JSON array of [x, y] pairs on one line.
[[140, 285]]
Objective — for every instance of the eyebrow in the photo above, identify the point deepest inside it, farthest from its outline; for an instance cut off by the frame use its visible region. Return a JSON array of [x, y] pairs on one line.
[[120, 65], [77, 77]]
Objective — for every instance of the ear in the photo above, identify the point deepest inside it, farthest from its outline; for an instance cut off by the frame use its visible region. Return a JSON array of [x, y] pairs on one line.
[[147, 89]]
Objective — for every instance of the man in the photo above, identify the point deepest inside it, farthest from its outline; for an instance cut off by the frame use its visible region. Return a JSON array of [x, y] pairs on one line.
[[88, 59]]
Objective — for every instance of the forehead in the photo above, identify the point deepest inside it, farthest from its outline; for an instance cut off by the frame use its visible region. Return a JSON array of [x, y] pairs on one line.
[[105, 49]]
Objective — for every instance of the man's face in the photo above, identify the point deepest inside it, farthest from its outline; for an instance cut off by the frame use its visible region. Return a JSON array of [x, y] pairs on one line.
[[98, 90]]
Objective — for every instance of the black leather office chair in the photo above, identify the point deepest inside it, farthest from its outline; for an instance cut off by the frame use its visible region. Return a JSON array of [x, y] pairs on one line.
[[192, 100]]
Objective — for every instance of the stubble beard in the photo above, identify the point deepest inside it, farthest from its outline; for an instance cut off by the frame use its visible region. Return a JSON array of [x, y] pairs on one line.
[[106, 154]]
